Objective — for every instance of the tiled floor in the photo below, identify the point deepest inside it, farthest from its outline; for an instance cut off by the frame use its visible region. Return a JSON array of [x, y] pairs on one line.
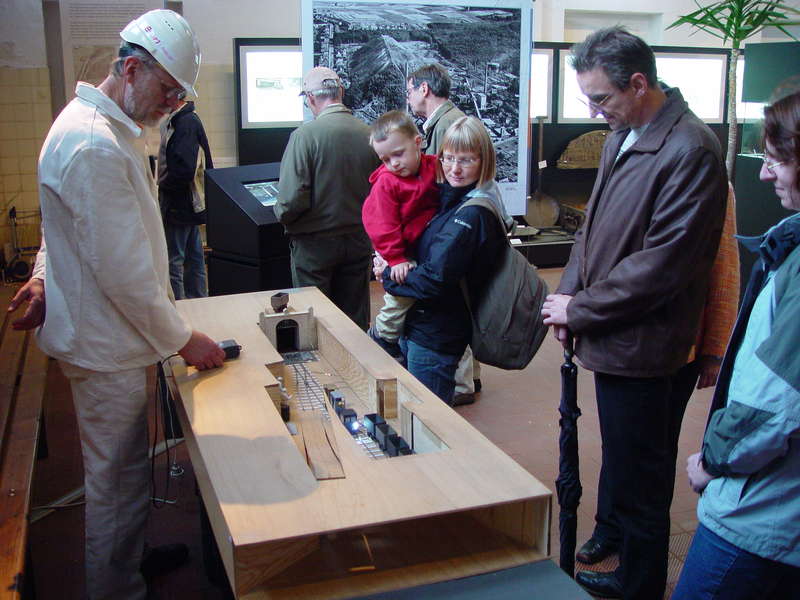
[[516, 410]]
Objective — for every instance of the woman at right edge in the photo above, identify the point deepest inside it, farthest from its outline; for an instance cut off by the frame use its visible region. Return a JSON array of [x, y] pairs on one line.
[[747, 545]]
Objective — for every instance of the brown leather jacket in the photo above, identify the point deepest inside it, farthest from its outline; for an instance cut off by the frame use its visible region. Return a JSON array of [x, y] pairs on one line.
[[639, 269]]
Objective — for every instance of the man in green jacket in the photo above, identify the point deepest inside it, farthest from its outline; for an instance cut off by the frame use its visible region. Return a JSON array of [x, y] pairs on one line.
[[324, 180]]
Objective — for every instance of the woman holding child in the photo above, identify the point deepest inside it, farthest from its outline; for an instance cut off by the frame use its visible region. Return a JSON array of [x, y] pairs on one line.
[[459, 243]]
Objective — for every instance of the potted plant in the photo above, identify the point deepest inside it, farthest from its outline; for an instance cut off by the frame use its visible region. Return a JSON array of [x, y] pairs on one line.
[[735, 21]]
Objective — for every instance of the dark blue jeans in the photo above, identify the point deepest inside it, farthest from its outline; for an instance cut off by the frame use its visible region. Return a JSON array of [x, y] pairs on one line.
[[187, 267], [436, 370], [715, 569]]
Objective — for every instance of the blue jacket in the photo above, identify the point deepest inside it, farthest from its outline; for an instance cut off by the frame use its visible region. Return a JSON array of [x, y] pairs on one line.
[[455, 245], [752, 443]]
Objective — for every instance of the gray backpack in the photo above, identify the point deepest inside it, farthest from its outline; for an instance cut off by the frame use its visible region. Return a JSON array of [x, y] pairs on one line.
[[507, 327]]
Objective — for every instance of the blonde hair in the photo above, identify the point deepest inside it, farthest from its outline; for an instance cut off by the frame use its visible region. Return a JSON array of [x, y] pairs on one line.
[[389, 122], [468, 134]]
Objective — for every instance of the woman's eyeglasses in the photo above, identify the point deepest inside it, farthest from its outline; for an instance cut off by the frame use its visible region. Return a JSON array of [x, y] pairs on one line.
[[770, 165], [450, 160]]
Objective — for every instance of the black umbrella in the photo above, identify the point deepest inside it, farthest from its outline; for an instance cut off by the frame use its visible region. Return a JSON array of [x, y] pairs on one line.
[[568, 484]]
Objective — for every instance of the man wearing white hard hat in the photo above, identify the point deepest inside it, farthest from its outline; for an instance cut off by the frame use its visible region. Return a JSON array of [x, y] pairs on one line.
[[324, 180], [103, 267]]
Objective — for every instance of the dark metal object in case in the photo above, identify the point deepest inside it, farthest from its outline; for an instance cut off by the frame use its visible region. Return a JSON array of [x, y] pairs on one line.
[[279, 301]]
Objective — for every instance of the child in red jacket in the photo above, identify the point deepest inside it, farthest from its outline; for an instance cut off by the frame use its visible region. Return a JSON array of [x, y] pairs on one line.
[[403, 199]]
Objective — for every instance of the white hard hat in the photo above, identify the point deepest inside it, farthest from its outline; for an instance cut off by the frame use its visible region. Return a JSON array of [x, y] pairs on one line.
[[167, 36]]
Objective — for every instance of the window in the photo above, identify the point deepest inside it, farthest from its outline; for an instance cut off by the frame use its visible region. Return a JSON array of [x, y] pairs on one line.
[[701, 79], [541, 83], [571, 109]]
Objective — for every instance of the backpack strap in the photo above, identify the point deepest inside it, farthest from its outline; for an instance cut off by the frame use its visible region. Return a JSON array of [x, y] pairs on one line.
[[483, 202]]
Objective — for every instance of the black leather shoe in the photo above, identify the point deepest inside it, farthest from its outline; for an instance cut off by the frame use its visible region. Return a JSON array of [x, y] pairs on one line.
[[462, 399], [163, 559], [595, 550], [602, 585]]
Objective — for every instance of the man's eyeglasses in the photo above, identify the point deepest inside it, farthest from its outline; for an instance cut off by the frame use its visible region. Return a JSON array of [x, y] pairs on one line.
[[770, 166], [450, 160], [168, 90], [595, 105]]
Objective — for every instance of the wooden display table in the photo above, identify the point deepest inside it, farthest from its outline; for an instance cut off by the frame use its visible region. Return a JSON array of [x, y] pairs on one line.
[[314, 515]]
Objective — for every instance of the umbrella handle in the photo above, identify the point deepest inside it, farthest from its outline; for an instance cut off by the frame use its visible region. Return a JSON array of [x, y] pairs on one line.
[[569, 349]]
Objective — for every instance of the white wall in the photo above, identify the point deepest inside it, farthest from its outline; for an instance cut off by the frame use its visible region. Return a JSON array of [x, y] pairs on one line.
[[25, 112], [217, 23], [22, 34], [549, 20]]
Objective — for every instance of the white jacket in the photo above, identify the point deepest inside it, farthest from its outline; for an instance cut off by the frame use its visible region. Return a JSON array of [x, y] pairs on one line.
[[104, 257]]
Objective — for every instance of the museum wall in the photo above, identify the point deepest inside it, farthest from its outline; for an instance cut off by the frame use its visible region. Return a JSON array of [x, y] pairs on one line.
[[554, 20], [25, 112], [25, 96]]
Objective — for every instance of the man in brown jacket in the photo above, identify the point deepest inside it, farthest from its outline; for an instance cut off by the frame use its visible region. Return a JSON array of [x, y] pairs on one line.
[[634, 289]]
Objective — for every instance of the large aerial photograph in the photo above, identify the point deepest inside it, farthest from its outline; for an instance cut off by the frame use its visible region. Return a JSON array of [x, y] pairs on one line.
[[374, 46]]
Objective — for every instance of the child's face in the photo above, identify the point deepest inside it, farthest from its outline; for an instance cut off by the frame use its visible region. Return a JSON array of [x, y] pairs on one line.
[[461, 168], [399, 153]]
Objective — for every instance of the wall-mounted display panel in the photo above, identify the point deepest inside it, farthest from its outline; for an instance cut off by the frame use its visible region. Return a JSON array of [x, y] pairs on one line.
[[772, 63], [541, 88], [270, 81], [572, 104], [746, 111], [485, 47], [701, 79], [267, 75]]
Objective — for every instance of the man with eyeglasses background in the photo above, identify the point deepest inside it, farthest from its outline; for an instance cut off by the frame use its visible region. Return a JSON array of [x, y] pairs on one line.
[[633, 293], [324, 180], [109, 307], [428, 96]]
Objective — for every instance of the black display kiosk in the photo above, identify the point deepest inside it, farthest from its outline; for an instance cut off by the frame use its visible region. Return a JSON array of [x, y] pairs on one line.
[[249, 249]]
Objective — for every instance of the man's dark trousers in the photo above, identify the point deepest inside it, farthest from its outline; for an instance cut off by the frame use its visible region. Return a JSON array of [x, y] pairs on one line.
[[606, 526], [340, 266], [640, 421]]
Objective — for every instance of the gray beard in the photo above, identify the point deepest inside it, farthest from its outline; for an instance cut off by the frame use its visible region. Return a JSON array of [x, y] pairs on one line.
[[129, 108]]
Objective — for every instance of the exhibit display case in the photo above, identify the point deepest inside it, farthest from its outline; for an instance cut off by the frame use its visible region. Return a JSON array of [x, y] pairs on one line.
[[309, 508], [249, 249]]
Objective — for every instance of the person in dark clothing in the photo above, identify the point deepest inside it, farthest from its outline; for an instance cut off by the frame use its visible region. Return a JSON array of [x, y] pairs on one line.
[[183, 157], [632, 294], [458, 244]]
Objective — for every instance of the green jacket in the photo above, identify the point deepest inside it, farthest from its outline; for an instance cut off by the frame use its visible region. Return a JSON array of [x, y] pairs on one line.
[[324, 175], [447, 115]]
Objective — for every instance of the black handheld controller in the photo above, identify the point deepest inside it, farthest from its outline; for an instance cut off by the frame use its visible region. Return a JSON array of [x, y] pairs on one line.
[[231, 348]]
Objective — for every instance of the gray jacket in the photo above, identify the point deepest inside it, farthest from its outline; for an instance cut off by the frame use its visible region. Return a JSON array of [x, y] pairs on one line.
[[324, 176], [752, 444], [446, 115]]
